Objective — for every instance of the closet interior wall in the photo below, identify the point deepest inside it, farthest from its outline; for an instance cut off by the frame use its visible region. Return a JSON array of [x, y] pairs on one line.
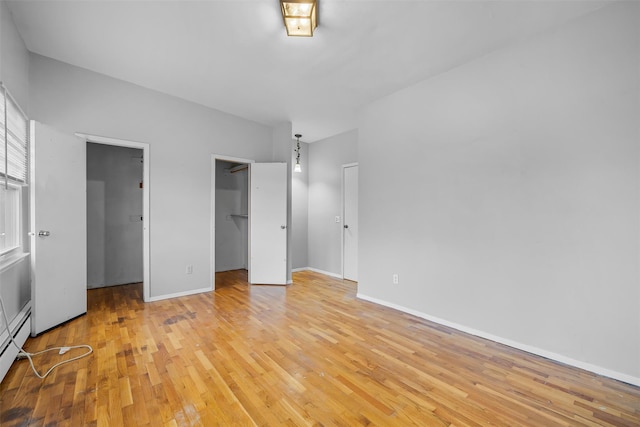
[[231, 216]]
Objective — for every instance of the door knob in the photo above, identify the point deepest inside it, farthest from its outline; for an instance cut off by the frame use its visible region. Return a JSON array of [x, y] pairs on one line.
[[283, 226], [346, 226], [43, 233]]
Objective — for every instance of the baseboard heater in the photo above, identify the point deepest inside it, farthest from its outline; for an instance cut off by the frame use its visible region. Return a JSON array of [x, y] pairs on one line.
[[20, 328]]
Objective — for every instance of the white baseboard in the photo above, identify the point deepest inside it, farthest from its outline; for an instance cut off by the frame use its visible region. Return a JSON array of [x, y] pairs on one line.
[[317, 270], [520, 346], [21, 327], [180, 294]]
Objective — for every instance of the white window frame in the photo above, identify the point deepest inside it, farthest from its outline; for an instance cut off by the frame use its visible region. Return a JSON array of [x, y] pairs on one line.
[[19, 222], [19, 184]]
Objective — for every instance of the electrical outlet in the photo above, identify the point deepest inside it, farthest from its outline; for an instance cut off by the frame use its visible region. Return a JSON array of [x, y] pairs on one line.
[[189, 269], [396, 279]]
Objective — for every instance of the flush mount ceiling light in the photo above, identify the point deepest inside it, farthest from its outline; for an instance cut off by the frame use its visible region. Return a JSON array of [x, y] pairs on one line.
[[297, 167], [299, 17]]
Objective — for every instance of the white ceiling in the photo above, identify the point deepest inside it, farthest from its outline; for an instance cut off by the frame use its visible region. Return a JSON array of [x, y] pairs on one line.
[[234, 55]]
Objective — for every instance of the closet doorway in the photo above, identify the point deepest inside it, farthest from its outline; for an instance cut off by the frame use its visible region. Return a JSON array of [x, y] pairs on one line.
[[117, 213], [230, 214], [249, 221], [114, 215]]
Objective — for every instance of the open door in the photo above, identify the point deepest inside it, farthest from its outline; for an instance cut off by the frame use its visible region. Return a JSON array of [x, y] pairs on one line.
[[58, 227], [350, 226], [268, 223]]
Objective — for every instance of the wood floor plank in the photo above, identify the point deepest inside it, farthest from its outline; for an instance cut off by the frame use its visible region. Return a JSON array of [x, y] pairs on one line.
[[308, 354]]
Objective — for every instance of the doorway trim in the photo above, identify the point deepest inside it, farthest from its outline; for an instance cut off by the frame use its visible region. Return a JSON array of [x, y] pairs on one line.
[[212, 226], [345, 166], [146, 269]]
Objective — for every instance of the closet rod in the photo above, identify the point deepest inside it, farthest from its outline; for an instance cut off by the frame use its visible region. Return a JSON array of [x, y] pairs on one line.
[[238, 168]]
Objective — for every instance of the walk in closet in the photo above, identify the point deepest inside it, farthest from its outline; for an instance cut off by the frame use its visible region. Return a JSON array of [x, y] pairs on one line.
[[231, 216]]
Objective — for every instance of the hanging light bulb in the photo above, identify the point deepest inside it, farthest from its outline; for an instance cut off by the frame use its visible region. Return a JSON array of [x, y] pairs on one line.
[[297, 167]]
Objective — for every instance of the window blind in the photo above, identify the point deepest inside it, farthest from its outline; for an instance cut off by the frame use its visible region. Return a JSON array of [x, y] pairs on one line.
[[14, 138]]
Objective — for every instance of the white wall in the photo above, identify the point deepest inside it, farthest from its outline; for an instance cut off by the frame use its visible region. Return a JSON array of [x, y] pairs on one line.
[[232, 198], [505, 194], [14, 59], [300, 209], [182, 137], [114, 215], [326, 158]]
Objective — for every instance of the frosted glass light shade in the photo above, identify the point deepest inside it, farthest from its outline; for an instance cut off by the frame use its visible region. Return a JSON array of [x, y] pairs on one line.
[[299, 17], [297, 168]]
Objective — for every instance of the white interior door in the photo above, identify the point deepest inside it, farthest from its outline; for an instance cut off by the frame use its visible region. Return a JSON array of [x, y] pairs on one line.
[[350, 223], [268, 223], [58, 227]]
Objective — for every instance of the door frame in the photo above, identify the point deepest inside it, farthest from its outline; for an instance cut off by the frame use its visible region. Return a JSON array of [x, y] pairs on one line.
[[212, 241], [345, 166], [146, 232]]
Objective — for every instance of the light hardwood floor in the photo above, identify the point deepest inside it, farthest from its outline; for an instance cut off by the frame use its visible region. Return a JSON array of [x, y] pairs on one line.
[[306, 354]]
